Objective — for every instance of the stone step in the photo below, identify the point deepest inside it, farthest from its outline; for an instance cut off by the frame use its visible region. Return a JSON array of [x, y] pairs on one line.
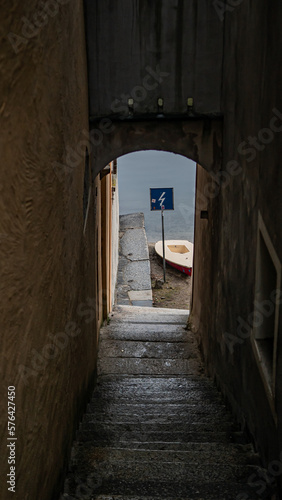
[[138, 331], [213, 447], [147, 410], [156, 383], [145, 315], [141, 427], [140, 366], [205, 488], [211, 496], [150, 319], [169, 446], [110, 437], [135, 349], [218, 492], [157, 390], [171, 419], [156, 428], [162, 401], [182, 472], [143, 311], [199, 453]]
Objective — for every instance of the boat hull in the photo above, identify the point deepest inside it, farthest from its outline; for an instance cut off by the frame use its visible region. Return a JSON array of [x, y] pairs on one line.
[[178, 254], [182, 269]]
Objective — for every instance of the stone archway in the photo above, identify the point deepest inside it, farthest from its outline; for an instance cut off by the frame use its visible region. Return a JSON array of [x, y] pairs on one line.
[[199, 140]]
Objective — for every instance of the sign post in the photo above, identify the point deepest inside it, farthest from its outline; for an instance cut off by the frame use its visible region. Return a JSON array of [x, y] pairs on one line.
[[163, 243], [162, 199]]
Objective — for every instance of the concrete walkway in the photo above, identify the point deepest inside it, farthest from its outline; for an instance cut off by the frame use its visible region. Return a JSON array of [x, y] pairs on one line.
[[156, 427], [134, 279]]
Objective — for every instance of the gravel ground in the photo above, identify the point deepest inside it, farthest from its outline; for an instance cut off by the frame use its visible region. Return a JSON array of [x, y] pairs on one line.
[[176, 293]]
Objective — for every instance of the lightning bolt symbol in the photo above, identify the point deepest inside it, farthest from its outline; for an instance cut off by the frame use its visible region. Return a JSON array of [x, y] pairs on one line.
[[162, 199]]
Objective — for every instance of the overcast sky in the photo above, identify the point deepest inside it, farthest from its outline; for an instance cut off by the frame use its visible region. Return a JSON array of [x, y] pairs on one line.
[[138, 172]]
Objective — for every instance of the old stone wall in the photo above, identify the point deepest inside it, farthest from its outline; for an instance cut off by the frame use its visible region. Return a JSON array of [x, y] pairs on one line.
[[226, 243], [48, 248]]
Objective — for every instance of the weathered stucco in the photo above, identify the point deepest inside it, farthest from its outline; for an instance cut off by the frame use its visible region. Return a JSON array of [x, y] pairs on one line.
[[115, 239], [226, 243], [47, 260]]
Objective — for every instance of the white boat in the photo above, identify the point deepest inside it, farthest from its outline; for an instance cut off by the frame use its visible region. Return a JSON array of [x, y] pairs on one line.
[[178, 254]]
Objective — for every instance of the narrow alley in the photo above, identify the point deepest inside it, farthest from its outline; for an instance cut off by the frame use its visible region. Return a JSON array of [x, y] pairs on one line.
[[156, 427], [102, 399]]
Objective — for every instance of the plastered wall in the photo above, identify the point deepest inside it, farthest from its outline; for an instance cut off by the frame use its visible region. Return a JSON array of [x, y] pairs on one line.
[[226, 243], [115, 238], [48, 254]]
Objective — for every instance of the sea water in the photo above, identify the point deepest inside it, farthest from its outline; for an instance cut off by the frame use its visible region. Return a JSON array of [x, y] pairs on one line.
[[138, 172]]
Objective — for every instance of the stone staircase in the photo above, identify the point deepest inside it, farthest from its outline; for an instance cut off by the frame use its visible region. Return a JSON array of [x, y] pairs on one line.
[[156, 427]]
